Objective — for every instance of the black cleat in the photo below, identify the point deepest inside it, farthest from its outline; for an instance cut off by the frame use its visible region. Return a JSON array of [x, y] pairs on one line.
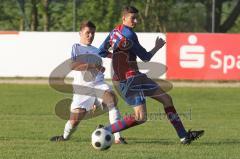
[[58, 138], [192, 135], [121, 140], [100, 126]]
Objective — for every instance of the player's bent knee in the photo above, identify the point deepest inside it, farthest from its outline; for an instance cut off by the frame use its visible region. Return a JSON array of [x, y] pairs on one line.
[[141, 118], [110, 99], [165, 99]]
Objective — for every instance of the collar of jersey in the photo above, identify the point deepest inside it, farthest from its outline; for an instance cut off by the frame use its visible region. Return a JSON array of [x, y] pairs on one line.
[[84, 44]]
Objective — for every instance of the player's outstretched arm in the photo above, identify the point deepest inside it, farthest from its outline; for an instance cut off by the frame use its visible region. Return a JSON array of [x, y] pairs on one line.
[[78, 66], [140, 51], [103, 49]]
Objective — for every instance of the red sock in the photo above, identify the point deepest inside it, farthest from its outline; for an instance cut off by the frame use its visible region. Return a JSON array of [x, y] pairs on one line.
[[125, 123], [176, 121]]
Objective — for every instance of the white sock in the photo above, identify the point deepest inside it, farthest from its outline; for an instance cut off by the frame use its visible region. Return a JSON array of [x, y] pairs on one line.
[[68, 130], [114, 115]]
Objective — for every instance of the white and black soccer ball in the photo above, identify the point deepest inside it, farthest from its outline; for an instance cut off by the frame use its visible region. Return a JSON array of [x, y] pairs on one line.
[[102, 139]]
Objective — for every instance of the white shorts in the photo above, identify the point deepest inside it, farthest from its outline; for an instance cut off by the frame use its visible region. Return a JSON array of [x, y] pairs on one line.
[[91, 98]]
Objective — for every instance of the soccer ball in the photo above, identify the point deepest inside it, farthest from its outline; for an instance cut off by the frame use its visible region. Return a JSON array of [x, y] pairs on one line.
[[102, 139]]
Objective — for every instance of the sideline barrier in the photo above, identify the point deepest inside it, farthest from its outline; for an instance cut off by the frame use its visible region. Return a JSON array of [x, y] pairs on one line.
[[37, 54]]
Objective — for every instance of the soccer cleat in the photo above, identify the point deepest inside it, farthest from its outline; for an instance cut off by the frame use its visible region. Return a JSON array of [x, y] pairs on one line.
[[100, 126], [58, 138], [192, 135], [121, 140]]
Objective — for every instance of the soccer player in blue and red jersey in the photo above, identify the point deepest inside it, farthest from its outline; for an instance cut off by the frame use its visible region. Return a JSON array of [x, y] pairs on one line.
[[133, 85]]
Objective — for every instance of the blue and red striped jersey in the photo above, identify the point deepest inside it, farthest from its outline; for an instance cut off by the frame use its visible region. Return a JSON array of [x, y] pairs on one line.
[[126, 48]]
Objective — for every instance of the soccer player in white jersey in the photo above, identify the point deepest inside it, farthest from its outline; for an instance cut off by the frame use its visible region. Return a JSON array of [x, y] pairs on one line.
[[88, 71]]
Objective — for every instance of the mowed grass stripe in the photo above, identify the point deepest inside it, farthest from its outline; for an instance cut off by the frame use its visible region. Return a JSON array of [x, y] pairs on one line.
[[28, 120]]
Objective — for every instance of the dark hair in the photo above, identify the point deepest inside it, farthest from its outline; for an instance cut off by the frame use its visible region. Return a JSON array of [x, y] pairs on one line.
[[87, 24], [129, 9]]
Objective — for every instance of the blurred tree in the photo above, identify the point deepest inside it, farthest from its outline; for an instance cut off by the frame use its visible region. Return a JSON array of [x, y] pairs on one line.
[[9, 15], [104, 13], [22, 21], [154, 15], [60, 15], [186, 17], [34, 15], [46, 14], [223, 22], [229, 21], [170, 16]]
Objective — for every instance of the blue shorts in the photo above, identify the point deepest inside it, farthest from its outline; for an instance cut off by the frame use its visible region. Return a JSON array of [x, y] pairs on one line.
[[135, 89]]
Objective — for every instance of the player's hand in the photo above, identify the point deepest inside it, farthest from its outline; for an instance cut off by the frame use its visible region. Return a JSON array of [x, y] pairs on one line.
[[159, 43], [109, 55], [101, 69]]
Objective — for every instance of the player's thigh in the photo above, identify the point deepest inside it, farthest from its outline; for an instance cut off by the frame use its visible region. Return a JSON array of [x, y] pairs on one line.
[[100, 88], [109, 99], [131, 97], [163, 97], [78, 114], [82, 101], [151, 89]]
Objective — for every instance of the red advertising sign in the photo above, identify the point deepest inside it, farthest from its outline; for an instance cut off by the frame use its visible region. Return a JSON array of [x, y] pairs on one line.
[[203, 56]]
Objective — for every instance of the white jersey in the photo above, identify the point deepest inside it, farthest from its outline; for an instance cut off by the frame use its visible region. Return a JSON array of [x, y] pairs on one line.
[[89, 54], [88, 96]]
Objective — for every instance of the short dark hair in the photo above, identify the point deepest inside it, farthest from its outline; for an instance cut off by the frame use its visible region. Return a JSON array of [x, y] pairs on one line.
[[87, 23], [129, 9]]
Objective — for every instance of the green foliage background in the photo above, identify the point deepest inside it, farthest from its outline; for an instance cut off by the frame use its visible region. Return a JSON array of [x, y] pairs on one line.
[[154, 16]]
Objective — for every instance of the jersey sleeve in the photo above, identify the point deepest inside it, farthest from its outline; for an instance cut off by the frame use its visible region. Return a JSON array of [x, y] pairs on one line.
[[74, 53], [103, 49], [138, 50]]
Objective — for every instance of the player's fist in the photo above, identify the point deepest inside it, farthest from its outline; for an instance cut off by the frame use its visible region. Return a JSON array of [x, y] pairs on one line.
[[159, 43], [101, 69]]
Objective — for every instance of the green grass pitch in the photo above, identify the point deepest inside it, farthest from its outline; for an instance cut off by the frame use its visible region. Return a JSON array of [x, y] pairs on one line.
[[28, 120]]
